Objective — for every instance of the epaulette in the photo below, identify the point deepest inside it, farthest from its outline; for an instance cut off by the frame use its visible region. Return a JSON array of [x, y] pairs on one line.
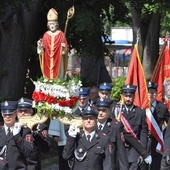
[[25, 127], [108, 124]]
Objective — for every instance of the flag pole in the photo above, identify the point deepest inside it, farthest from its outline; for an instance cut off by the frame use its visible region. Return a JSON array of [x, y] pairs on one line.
[[161, 54]]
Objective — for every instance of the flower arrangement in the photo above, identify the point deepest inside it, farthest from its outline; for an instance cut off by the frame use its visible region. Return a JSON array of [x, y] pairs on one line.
[[55, 98]]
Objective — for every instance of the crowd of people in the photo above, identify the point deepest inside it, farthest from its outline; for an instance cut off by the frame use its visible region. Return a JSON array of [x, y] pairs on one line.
[[121, 127], [114, 136], [21, 146], [101, 120]]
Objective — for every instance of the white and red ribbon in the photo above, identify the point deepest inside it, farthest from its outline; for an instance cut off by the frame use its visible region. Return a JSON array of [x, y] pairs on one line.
[[155, 130], [127, 126]]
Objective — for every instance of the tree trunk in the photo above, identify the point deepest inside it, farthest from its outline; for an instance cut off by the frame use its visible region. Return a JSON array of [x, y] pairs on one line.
[[151, 46], [93, 68], [17, 35], [149, 40]]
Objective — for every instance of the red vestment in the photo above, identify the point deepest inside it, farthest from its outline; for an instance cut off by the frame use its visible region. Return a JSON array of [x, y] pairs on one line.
[[53, 63]]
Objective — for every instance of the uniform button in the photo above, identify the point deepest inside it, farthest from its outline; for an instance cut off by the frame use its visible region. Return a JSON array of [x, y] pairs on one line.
[[87, 159]]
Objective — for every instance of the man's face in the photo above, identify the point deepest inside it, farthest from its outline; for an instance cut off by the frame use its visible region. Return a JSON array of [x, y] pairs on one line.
[[103, 115], [89, 123], [26, 112], [9, 119], [83, 102], [93, 94], [128, 99], [152, 95], [52, 26], [104, 94]]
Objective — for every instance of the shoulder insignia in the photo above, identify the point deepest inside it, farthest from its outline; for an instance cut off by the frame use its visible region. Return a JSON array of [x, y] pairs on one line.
[[25, 127], [108, 124], [133, 110]]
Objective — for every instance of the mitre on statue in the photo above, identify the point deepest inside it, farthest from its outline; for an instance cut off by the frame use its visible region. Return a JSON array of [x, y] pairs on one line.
[[52, 15]]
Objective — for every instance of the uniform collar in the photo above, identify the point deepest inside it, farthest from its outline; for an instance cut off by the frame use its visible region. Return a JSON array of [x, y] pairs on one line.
[[91, 134], [6, 128]]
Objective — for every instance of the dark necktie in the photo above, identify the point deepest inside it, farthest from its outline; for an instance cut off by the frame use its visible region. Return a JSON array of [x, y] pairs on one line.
[[8, 132], [88, 138], [100, 127], [128, 113]]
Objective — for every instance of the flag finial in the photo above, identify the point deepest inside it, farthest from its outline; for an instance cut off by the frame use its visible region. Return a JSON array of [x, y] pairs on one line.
[[167, 35], [138, 36]]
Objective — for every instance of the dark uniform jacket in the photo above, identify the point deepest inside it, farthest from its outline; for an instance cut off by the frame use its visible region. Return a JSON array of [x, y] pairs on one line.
[[167, 140], [113, 130], [161, 115], [41, 143], [137, 121], [94, 155], [18, 148]]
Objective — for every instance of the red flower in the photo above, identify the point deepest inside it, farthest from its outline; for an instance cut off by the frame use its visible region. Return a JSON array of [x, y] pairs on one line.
[[75, 98], [35, 96], [51, 100], [70, 103], [42, 97], [62, 103]]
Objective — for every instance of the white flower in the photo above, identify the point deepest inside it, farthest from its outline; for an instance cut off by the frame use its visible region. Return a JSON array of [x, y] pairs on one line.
[[51, 88], [40, 103]]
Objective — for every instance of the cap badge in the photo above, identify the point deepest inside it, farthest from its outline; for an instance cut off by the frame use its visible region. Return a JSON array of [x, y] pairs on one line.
[[101, 99], [81, 89], [104, 84], [89, 108], [128, 86], [22, 100], [6, 103]]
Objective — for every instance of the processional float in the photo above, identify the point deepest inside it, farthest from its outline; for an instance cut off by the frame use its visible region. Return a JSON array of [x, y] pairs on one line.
[[54, 98]]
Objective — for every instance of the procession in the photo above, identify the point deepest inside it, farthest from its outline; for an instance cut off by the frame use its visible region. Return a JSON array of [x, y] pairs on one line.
[[91, 129]]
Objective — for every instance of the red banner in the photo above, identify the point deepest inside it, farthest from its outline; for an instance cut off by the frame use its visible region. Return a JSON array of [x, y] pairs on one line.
[[136, 77], [161, 74]]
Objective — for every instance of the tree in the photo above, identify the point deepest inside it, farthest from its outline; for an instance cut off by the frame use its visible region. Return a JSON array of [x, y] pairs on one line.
[[146, 18], [17, 34]]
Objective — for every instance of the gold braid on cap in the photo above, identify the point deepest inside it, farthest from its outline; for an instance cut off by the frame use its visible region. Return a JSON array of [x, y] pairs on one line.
[[52, 15]]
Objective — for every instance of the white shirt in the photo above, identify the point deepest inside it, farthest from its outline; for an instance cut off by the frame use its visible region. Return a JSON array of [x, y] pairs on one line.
[[6, 129]]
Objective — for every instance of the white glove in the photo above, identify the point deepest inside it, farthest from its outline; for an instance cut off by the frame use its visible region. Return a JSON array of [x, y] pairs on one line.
[[73, 131], [17, 128], [148, 159]]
